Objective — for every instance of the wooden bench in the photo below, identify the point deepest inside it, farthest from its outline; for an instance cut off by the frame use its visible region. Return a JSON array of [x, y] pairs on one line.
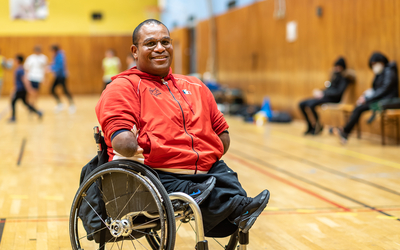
[[390, 116]]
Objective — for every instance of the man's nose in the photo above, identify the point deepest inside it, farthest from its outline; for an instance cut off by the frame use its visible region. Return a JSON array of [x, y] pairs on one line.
[[159, 47]]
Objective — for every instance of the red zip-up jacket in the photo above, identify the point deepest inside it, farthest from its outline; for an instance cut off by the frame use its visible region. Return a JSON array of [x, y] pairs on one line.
[[177, 119]]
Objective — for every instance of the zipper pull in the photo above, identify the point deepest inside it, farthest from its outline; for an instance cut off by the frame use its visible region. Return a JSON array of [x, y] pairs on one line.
[[164, 82]]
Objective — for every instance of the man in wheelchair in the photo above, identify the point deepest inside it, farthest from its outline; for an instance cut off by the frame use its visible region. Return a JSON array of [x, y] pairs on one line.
[[174, 122]]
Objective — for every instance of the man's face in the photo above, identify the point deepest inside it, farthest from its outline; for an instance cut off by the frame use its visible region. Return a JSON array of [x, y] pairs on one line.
[[153, 52]]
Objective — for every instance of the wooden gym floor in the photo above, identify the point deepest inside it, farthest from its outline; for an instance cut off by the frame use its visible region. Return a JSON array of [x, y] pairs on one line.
[[323, 195]]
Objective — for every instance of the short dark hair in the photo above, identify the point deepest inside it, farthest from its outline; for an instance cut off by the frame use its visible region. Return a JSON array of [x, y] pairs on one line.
[[340, 62], [20, 58], [135, 35], [55, 47], [378, 57]]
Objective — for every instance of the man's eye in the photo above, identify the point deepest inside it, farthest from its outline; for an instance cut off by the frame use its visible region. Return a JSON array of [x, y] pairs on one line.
[[165, 42], [150, 44]]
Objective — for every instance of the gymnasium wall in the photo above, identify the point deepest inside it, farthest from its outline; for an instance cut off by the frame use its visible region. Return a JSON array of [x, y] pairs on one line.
[[83, 40], [180, 43], [253, 53]]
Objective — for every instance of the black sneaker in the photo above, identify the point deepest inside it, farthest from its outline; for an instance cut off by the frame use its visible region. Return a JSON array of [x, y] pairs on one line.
[[310, 131], [40, 114], [318, 128], [251, 211], [200, 191], [342, 135]]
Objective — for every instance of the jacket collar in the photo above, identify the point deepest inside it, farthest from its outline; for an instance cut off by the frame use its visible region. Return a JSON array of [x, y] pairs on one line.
[[158, 79]]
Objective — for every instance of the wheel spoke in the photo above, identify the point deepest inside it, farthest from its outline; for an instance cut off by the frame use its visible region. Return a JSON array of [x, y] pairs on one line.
[[107, 242], [218, 243], [195, 233], [133, 244], [92, 233], [131, 236], [128, 201], [179, 226], [114, 243], [96, 212], [140, 212], [116, 205], [101, 192], [147, 222]]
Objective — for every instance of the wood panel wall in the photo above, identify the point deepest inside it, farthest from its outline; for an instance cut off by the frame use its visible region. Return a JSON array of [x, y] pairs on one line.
[[180, 42], [84, 56], [253, 53]]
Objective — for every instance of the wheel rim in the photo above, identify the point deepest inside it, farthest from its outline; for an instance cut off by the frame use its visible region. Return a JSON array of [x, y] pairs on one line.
[[126, 228]]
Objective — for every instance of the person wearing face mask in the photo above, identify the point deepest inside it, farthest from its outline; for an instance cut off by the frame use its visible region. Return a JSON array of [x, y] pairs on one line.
[[384, 86], [332, 94]]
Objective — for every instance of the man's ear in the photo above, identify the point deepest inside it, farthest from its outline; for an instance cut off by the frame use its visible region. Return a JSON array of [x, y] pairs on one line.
[[134, 50]]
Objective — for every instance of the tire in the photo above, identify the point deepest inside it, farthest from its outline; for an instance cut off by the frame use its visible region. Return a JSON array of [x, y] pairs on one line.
[[119, 203]]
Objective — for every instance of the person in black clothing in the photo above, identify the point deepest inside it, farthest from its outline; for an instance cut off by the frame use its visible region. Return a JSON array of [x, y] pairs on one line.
[[384, 86], [21, 87], [332, 94]]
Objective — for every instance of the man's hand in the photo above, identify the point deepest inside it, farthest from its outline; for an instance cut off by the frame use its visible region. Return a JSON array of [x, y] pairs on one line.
[[318, 94], [126, 143], [360, 101]]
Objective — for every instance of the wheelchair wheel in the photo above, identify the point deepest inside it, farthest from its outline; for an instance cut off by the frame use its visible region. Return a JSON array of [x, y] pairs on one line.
[[117, 205], [186, 225]]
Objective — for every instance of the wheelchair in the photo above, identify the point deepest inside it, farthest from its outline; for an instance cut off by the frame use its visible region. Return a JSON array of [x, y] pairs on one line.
[[122, 204]]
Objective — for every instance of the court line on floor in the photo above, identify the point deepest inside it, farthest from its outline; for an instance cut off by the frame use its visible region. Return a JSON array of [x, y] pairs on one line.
[[271, 166], [319, 166], [335, 149], [21, 152], [288, 182], [316, 211]]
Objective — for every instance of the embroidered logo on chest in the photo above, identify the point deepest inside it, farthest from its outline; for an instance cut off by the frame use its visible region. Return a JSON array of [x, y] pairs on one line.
[[187, 92], [154, 92]]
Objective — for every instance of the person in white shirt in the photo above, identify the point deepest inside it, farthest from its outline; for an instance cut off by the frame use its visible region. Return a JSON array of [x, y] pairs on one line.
[[35, 68], [111, 66]]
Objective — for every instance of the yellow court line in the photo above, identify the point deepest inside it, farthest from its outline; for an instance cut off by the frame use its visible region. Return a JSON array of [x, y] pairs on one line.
[[335, 149]]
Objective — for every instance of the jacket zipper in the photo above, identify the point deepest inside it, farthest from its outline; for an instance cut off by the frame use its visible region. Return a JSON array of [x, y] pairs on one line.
[[184, 123]]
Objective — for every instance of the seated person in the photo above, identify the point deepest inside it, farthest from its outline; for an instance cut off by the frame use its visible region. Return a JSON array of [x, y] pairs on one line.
[[384, 86], [174, 122], [332, 94]]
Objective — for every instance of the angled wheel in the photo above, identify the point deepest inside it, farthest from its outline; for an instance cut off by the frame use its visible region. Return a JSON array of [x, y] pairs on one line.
[[187, 235], [117, 205]]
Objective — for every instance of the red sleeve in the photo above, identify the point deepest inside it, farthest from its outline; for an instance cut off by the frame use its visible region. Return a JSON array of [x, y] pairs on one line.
[[118, 107], [217, 118]]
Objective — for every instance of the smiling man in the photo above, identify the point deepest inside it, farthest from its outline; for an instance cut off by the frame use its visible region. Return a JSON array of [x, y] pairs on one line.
[[174, 122]]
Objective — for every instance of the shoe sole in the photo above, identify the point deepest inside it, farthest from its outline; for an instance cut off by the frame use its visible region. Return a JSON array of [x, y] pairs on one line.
[[255, 215], [199, 199]]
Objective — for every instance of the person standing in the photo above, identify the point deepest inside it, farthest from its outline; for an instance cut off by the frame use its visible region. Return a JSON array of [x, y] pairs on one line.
[[384, 86], [35, 70], [22, 86], [58, 67], [111, 66]]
